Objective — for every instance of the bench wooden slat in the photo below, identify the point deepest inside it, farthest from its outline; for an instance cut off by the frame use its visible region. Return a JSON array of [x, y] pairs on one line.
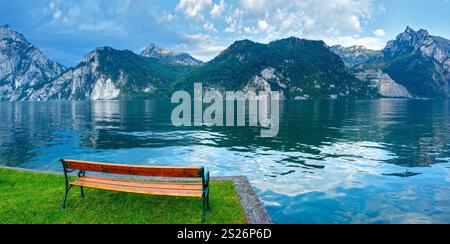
[[132, 180], [155, 171], [139, 190], [142, 184]]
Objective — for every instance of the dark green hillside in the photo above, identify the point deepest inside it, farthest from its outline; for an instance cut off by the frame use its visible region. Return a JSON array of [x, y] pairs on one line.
[[139, 72], [304, 68]]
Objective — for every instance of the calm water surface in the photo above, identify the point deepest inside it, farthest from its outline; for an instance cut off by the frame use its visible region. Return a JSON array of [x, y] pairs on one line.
[[381, 161]]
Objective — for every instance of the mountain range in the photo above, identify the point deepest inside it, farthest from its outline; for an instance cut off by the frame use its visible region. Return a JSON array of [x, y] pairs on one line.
[[153, 51], [107, 74], [23, 67], [415, 65], [301, 69]]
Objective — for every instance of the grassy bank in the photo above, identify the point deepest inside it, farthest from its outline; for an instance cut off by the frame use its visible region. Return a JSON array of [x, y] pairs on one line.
[[27, 197]]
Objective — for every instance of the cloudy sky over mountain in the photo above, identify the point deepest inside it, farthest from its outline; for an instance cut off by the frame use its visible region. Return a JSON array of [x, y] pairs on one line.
[[67, 29]]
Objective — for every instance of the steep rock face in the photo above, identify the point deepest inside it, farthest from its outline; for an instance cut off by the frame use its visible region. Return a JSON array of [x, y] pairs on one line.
[[78, 83], [356, 57], [365, 65], [107, 74], [415, 60], [296, 67], [23, 67], [420, 62], [386, 86], [261, 82], [436, 48], [153, 51], [103, 74]]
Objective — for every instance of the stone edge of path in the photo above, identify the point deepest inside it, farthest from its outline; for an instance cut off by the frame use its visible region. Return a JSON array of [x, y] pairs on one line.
[[252, 205], [254, 209]]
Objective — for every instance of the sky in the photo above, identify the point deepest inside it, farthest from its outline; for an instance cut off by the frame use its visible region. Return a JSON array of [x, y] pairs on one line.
[[66, 30]]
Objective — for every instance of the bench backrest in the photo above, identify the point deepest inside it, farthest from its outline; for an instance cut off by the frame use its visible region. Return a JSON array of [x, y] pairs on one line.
[[155, 171]]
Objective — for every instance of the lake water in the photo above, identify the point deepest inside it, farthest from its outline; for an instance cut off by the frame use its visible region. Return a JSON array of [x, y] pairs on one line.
[[379, 161]]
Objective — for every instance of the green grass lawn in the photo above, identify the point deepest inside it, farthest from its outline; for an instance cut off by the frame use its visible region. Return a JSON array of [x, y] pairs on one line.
[[28, 198]]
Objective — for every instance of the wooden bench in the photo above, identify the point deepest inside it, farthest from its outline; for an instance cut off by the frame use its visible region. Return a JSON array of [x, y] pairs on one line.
[[176, 189]]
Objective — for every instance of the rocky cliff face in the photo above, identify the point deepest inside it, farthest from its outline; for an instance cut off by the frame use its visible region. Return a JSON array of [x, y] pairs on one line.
[[82, 82], [103, 74], [23, 67], [165, 55], [436, 48], [420, 62], [359, 60], [356, 57], [107, 74], [387, 87], [415, 60]]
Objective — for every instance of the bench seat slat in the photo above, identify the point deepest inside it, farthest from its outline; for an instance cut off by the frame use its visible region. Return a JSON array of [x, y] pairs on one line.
[[143, 189], [142, 184]]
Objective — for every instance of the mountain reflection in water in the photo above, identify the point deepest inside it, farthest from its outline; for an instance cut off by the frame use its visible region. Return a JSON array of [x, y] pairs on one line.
[[379, 161]]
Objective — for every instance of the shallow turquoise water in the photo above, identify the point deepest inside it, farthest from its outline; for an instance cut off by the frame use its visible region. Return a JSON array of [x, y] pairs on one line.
[[379, 161]]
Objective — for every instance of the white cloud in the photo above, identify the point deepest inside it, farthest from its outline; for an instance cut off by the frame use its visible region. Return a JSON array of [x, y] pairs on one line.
[[234, 20], [199, 37], [55, 11], [263, 25], [250, 30], [337, 21], [373, 43], [379, 33], [381, 8], [201, 46], [336, 16], [255, 6], [209, 26], [123, 6], [222, 21], [229, 29], [193, 8], [218, 9], [310, 17], [101, 26], [86, 15], [167, 17]]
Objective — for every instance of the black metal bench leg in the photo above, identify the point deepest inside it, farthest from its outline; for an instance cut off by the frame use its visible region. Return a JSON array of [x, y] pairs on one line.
[[66, 192], [81, 192], [203, 209], [208, 208]]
